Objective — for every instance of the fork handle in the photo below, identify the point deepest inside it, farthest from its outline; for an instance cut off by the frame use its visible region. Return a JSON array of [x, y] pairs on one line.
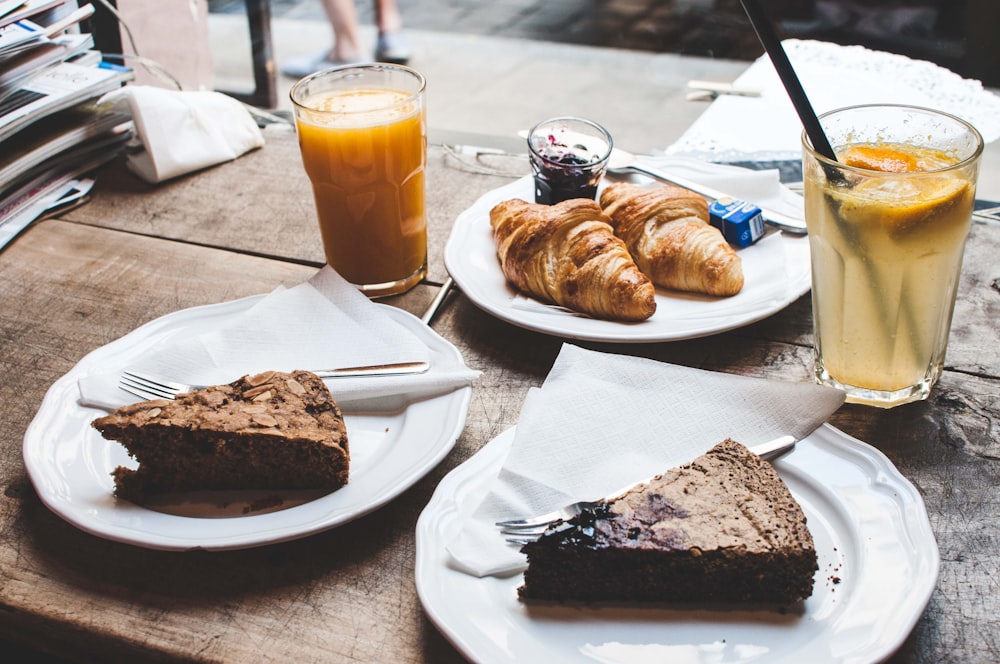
[[396, 369], [774, 448]]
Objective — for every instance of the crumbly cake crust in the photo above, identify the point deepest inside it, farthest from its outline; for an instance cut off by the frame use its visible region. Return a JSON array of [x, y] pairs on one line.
[[723, 528], [273, 430]]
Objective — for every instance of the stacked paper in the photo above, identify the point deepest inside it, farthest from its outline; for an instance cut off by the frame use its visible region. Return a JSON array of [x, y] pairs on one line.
[[51, 131]]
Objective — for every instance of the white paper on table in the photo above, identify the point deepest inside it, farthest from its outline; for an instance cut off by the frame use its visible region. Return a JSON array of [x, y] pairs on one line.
[[735, 128], [322, 323], [602, 421]]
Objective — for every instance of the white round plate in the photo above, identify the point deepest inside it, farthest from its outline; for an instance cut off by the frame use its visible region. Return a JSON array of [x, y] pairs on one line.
[[70, 463], [878, 564], [776, 272]]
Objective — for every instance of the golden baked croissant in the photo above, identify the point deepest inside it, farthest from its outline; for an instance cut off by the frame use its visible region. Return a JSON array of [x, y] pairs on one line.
[[667, 232], [567, 254]]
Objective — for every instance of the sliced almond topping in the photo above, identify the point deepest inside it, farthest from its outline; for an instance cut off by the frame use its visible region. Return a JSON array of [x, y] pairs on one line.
[[264, 420], [255, 408], [260, 378], [153, 412], [263, 396], [295, 387], [254, 391], [211, 397]]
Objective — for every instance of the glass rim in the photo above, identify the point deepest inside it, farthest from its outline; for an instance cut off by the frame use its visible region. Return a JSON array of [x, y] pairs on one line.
[[980, 143], [344, 72], [563, 118]]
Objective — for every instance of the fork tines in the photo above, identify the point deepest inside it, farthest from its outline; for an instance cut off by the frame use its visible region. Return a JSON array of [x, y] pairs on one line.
[[141, 390], [544, 520], [146, 387], [533, 531], [520, 531]]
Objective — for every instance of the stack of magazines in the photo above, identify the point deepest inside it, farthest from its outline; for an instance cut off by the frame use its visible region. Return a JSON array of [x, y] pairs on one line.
[[52, 132]]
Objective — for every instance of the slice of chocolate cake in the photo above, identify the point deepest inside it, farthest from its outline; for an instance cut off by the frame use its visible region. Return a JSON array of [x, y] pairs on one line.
[[270, 431], [721, 529]]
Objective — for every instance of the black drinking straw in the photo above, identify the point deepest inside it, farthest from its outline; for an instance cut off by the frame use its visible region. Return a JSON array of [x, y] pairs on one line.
[[765, 33]]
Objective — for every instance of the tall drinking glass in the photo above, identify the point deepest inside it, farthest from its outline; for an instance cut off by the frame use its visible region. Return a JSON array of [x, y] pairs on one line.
[[887, 227], [363, 136]]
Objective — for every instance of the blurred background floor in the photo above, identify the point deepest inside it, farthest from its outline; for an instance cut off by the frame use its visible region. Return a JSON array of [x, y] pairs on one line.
[[957, 34]]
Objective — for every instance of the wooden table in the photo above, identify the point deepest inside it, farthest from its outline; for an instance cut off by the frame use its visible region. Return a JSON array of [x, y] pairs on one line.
[[74, 283]]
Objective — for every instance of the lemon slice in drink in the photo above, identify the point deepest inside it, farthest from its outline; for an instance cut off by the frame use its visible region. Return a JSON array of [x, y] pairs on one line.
[[903, 200], [902, 206], [880, 158]]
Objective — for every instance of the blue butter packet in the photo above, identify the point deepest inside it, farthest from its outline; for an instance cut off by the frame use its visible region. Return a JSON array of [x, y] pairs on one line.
[[741, 222]]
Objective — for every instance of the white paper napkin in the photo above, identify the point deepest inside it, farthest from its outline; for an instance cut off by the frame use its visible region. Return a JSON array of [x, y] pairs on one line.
[[762, 187], [735, 128], [184, 131], [603, 421], [320, 324]]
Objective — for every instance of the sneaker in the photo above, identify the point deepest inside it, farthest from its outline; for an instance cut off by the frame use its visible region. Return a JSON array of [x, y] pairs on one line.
[[303, 65], [392, 47]]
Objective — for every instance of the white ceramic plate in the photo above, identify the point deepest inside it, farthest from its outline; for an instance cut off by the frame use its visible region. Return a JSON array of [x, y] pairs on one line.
[[878, 564], [69, 462], [776, 273]]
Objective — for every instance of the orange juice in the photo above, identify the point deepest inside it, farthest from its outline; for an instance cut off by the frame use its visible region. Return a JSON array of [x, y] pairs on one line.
[[364, 150], [887, 237]]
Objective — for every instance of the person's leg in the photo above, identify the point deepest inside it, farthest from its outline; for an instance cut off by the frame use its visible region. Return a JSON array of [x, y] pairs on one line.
[[392, 45], [343, 17], [387, 16]]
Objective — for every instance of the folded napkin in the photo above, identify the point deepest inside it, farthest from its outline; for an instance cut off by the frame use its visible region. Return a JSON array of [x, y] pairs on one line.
[[320, 324], [601, 422], [184, 131], [761, 187], [735, 128]]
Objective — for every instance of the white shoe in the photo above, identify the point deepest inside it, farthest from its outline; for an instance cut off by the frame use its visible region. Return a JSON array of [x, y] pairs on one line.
[[303, 65], [392, 47]]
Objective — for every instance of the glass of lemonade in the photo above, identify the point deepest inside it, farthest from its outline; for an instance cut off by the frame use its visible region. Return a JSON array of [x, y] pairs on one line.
[[363, 135], [887, 227]]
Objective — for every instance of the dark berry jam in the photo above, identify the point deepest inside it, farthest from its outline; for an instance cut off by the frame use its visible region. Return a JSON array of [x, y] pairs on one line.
[[566, 169]]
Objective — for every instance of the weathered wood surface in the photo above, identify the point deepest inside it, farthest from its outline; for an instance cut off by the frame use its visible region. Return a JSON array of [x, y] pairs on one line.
[[133, 254], [267, 209]]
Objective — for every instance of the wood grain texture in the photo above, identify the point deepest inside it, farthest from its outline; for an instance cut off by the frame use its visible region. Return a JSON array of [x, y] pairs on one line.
[[262, 204], [136, 253], [70, 288]]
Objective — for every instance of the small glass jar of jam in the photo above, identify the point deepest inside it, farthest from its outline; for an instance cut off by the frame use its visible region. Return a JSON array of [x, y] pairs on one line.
[[568, 158]]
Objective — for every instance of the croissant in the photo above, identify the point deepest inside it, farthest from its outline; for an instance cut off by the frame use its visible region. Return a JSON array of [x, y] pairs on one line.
[[667, 232], [567, 254]]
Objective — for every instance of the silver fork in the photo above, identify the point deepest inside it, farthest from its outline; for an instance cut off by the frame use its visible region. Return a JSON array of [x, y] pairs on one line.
[[529, 529], [146, 386]]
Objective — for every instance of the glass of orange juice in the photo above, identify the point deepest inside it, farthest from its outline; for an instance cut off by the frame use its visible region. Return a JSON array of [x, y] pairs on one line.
[[887, 227], [363, 136]]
